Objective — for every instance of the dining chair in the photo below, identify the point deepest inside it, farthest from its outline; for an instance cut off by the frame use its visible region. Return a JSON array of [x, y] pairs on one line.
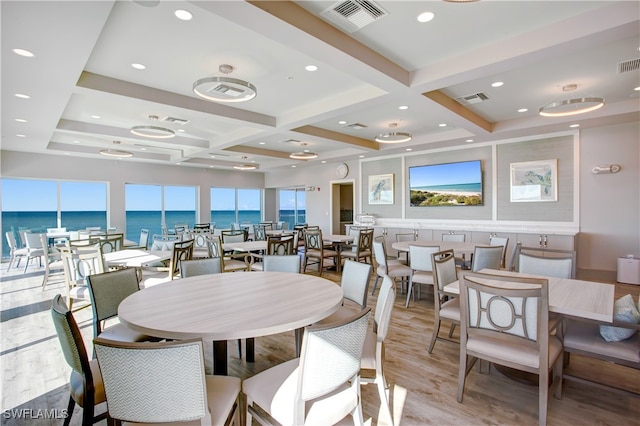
[[321, 387], [163, 242], [505, 320], [362, 247], [281, 263], [143, 241], [202, 266], [111, 242], [162, 382], [277, 245], [550, 263], [85, 384], [314, 249], [16, 253], [486, 257], [202, 226], [374, 344], [199, 237], [260, 232], [79, 262], [444, 307], [421, 268], [404, 236], [106, 291], [231, 262], [182, 250], [35, 248], [391, 267], [458, 238], [52, 259], [500, 241], [355, 290]]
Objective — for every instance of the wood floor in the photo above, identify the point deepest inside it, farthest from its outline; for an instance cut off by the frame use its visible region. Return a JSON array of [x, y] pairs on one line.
[[423, 385]]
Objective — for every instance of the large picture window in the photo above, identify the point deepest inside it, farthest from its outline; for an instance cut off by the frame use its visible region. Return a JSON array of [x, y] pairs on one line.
[[292, 204], [230, 205]]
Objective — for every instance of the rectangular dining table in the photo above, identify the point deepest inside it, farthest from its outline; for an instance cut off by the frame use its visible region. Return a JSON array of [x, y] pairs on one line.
[[135, 258]]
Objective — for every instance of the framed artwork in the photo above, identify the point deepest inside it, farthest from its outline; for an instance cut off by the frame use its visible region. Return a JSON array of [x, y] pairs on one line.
[[534, 181], [381, 189]]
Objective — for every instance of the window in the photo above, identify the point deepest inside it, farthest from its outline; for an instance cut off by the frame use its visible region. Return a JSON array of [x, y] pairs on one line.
[[83, 204], [150, 206], [292, 206], [235, 205]]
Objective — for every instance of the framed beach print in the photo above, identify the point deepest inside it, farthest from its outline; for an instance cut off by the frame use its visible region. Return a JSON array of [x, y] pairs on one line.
[[533, 181], [381, 189]]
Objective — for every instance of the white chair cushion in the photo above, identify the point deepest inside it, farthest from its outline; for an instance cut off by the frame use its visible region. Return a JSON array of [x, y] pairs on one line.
[[451, 309], [80, 292], [274, 390], [422, 277], [122, 333], [513, 352]]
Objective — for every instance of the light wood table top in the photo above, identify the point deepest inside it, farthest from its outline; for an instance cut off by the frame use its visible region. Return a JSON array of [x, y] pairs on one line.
[[135, 258], [459, 248], [576, 298], [245, 246]]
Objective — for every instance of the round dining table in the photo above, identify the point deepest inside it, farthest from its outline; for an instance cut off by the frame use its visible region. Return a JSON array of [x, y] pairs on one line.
[[229, 306]]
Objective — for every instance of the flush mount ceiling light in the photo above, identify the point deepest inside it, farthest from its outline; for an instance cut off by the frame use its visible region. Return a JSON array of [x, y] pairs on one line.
[[155, 132], [224, 89], [574, 106], [393, 137], [246, 166], [304, 154], [116, 153]]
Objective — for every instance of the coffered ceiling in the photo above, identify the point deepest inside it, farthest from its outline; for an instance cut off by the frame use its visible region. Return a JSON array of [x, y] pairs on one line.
[[84, 93]]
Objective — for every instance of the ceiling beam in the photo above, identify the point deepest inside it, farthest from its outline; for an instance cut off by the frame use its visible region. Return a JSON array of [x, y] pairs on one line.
[[338, 137], [440, 98]]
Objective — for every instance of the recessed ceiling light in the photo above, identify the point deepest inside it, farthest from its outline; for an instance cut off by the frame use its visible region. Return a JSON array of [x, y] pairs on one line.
[[211, 166], [469, 140], [23, 52], [311, 68], [523, 110], [181, 130], [442, 125], [342, 122], [574, 125], [408, 149], [21, 120], [67, 153], [497, 84], [143, 149], [21, 135], [324, 161], [95, 116], [293, 167], [403, 107], [426, 17], [361, 156], [183, 15], [178, 164], [138, 66], [637, 88], [212, 156], [76, 141], [22, 96], [261, 143]]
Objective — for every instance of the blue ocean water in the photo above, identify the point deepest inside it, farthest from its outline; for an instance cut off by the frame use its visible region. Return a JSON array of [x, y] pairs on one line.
[[459, 187], [136, 220]]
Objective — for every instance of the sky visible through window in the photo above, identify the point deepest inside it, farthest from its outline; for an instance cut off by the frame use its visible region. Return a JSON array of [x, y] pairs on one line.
[[24, 195]]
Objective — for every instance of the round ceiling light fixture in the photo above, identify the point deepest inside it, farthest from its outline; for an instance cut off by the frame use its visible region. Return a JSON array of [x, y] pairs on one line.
[[155, 132], [224, 89], [393, 137], [571, 107], [246, 166], [116, 153], [305, 154]]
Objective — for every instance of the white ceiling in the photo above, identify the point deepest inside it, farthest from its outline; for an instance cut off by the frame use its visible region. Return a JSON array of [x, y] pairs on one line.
[[84, 51]]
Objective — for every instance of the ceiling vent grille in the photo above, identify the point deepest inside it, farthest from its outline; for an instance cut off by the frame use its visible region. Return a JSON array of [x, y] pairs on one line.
[[352, 15], [472, 99], [631, 65], [356, 126], [180, 121]]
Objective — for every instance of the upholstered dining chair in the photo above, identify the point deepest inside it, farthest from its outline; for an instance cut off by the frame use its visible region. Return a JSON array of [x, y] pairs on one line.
[[143, 241], [549, 263], [231, 262], [78, 263], [374, 344], [16, 253], [314, 249], [392, 267], [199, 237], [162, 382], [281, 263], [182, 250], [404, 236], [35, 248], [321, 387], [355, 289], [195, 267], [106, 291], [52, 260], [444, 307], [362, 247], [260, 232], [277, 245], [500, 241], [111, 242], [459, 238], [486, 257], [85, 384], [505, 320], [421, 268]]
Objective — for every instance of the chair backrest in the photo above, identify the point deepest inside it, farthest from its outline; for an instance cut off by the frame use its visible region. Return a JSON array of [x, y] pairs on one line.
[[182, 250], [355, 282], [507, 309], [23, 238], [154, 381], [444, 271], [71, 343], [453, 237], [486, 257], [194, 267], [81, 261], [500, 241], [421, 257], [202, 226], [33, 241], [11, 240], [234, 236], [143, 242], [330, 357], [384, 308], [279, 224], [199, 237], [111, 242], [107, 290], [379, 251], [280, 245], [406, 236], [164, 242], [268, 226], [550, 263], [513, 262], [313, 239], [365, 240], [49, 253], [260, 232], [281, 263], [214, 245]]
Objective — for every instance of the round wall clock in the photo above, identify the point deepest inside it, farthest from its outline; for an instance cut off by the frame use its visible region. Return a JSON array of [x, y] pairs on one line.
[[342, 171]]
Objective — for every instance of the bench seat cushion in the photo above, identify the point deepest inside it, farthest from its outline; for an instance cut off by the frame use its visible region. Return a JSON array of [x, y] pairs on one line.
[[585, 337]]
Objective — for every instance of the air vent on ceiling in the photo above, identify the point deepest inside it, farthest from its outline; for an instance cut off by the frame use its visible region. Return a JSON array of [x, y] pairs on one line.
[[352, 15], [472, 99], [180, 121], [630, 65], [356, 126]]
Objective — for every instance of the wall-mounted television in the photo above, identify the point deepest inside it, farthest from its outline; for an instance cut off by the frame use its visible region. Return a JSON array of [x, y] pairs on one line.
[[448, 184]]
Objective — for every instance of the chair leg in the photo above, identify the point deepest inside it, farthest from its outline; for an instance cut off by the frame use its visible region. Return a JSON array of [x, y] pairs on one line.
[[11, 259], [409, 291], [70, 408], [383, 392], [240, 348], [375, 284], [434, 336], [453, 327]]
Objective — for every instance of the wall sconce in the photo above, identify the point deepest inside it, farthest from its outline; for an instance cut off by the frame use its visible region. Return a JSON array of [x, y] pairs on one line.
[[609, 168]]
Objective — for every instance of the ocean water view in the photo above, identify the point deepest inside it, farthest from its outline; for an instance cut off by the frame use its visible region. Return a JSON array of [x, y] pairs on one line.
[[458, 187], [135, 220]]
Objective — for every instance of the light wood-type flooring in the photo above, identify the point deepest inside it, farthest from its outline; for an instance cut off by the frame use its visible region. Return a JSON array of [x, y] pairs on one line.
[[423, 385]]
